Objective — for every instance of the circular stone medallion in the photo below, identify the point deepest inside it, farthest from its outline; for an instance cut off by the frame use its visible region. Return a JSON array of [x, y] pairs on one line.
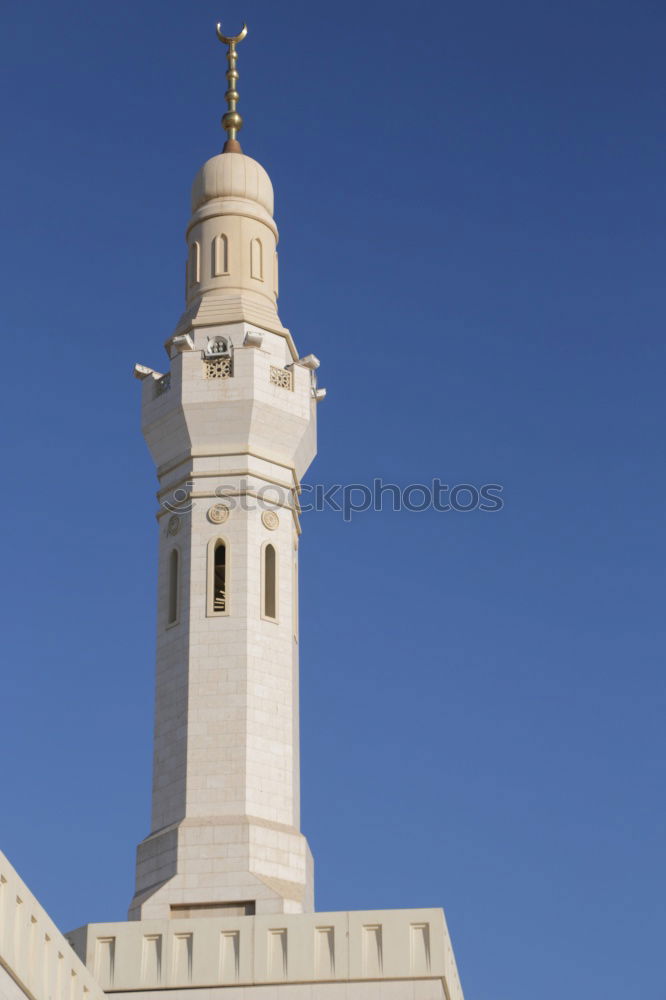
[[218, 513], [270, 520], [173, 525]]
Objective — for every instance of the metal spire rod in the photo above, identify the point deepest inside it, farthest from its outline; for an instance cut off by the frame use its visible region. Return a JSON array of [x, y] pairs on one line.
[[231, 120]]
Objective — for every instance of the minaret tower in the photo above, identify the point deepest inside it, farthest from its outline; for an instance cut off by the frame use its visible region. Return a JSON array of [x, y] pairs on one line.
[[232, 429], [224, 882]]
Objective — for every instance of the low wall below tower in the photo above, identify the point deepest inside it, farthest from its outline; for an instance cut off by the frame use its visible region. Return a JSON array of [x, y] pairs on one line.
[[389, 954]]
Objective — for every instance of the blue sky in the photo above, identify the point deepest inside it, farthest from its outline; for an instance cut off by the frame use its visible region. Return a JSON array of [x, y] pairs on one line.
[[472, 217]]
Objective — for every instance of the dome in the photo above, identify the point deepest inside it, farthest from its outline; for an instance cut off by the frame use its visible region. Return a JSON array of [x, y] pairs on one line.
[[232, 175]]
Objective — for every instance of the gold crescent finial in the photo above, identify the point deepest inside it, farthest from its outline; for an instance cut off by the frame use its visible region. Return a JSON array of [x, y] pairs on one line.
[[233, 40], [231, 120]]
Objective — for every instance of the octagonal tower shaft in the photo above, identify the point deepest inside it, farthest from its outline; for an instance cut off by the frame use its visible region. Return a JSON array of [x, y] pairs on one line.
[[231, 428]]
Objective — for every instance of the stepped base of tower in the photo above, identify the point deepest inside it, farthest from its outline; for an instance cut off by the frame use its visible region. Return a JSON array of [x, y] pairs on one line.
[[244, 864], [372, 955]]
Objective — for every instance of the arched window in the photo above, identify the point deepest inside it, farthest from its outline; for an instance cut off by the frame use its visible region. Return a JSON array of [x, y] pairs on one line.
[[256, 259], [172, 613], [220, 579], [195, 264], [220, 255], [217, 588], [269, 583]]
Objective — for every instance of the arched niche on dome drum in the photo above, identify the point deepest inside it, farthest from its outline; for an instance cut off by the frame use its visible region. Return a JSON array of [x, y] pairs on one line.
[[220, 255], [256, 259], [194, 264]]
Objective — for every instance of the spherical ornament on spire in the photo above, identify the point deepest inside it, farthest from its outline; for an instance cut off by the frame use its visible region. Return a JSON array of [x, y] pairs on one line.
[[232, 120]]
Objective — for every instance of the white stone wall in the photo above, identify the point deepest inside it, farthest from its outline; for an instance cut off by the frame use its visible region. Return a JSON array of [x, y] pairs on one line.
[[36, 961]]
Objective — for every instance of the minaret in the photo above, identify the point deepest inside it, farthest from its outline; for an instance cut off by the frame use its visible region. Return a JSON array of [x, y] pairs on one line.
[[231, 428], [224, 882]]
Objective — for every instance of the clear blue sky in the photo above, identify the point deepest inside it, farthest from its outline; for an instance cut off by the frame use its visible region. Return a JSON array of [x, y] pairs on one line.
[[472, 216]]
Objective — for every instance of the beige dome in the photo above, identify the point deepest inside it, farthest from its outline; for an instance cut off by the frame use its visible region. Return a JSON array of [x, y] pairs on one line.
[[232, 175]]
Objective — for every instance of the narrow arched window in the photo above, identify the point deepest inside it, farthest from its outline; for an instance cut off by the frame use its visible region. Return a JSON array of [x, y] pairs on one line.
[[195, 264], [269, 602], [172, 616], [256, 259], [220, 255], [220, 579], [217, 584]]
